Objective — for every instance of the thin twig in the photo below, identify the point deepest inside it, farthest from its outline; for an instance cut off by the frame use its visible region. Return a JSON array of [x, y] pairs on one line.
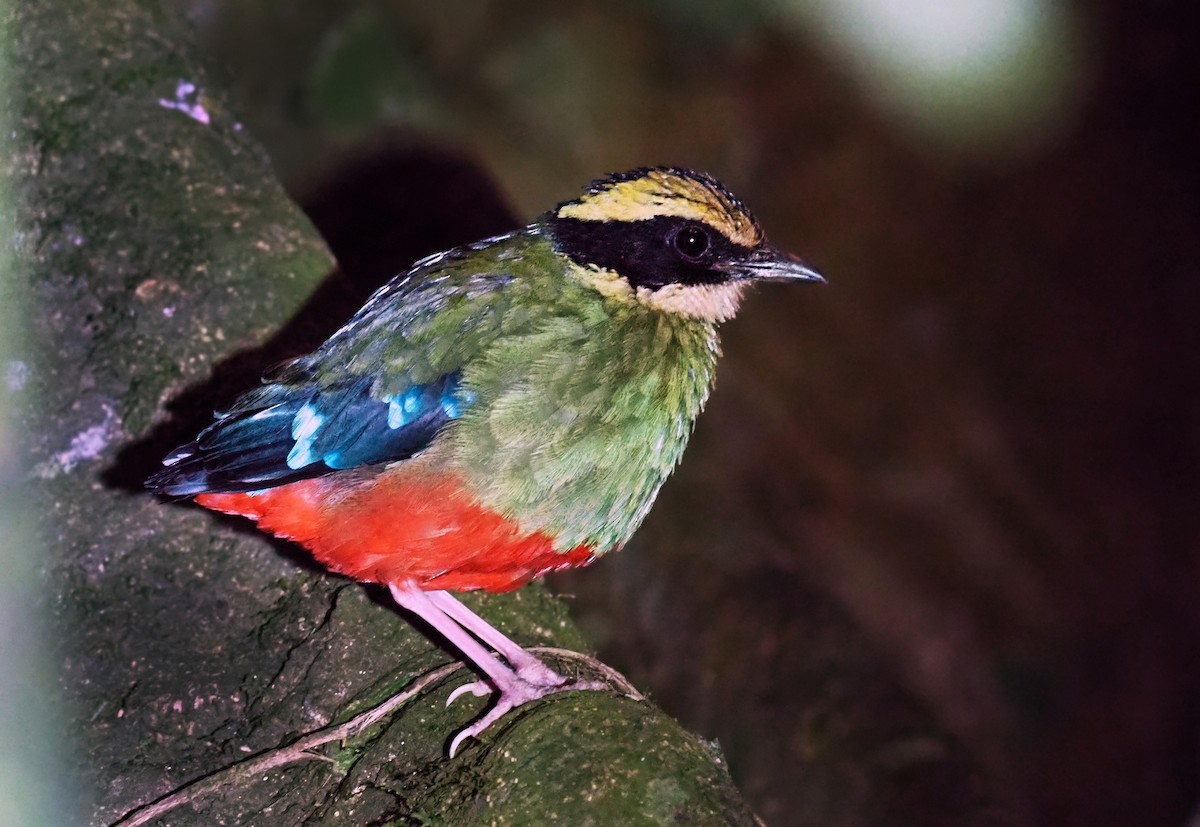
[[298, 750], [611, 675], [301, 748]]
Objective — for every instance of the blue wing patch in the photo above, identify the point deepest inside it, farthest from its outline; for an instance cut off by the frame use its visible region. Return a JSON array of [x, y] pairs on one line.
[[280, 434]]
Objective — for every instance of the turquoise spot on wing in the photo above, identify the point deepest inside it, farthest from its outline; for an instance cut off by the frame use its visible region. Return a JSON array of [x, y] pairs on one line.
[[419, 400], [405, 408], [412, 399], [304, 429], [454, 401], [395, 417]]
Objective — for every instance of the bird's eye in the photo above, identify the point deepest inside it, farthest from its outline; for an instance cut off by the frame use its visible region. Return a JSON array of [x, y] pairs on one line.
[[692, 242]]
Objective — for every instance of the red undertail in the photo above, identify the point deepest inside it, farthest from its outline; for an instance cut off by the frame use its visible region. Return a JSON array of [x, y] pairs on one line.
[[399, 526]]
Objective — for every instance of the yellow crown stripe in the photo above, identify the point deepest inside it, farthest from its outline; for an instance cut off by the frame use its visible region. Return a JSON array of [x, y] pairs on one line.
[[658, 194]]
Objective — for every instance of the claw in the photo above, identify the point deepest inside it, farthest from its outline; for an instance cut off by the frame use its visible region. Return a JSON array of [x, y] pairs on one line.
[[515, 693], [476, 688], [494, 714]]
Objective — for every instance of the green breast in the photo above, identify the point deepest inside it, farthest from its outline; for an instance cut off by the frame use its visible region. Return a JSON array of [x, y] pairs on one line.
[[581, 411]]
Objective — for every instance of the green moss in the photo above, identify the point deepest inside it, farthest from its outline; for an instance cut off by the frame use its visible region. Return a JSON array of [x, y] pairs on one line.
[[568, 761]]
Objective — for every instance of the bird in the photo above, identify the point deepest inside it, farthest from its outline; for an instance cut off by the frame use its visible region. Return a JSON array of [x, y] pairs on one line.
[[502, 410]]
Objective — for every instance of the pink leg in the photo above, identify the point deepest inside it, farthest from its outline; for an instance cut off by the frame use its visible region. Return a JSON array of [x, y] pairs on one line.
[[530, 680], [418, 602], [527, 667]]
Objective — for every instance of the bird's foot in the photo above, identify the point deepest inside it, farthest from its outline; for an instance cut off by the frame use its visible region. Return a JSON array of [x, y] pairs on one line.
[[524, 684], [516, 676]]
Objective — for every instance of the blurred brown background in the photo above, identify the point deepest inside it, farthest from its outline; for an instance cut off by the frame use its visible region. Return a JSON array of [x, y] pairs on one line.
[[977, 444]]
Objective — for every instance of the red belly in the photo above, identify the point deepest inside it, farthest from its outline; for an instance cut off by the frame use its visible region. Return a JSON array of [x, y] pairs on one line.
[[396, 526]]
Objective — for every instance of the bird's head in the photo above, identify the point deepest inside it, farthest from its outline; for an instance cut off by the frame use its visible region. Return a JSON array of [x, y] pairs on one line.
[[670, 238]]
